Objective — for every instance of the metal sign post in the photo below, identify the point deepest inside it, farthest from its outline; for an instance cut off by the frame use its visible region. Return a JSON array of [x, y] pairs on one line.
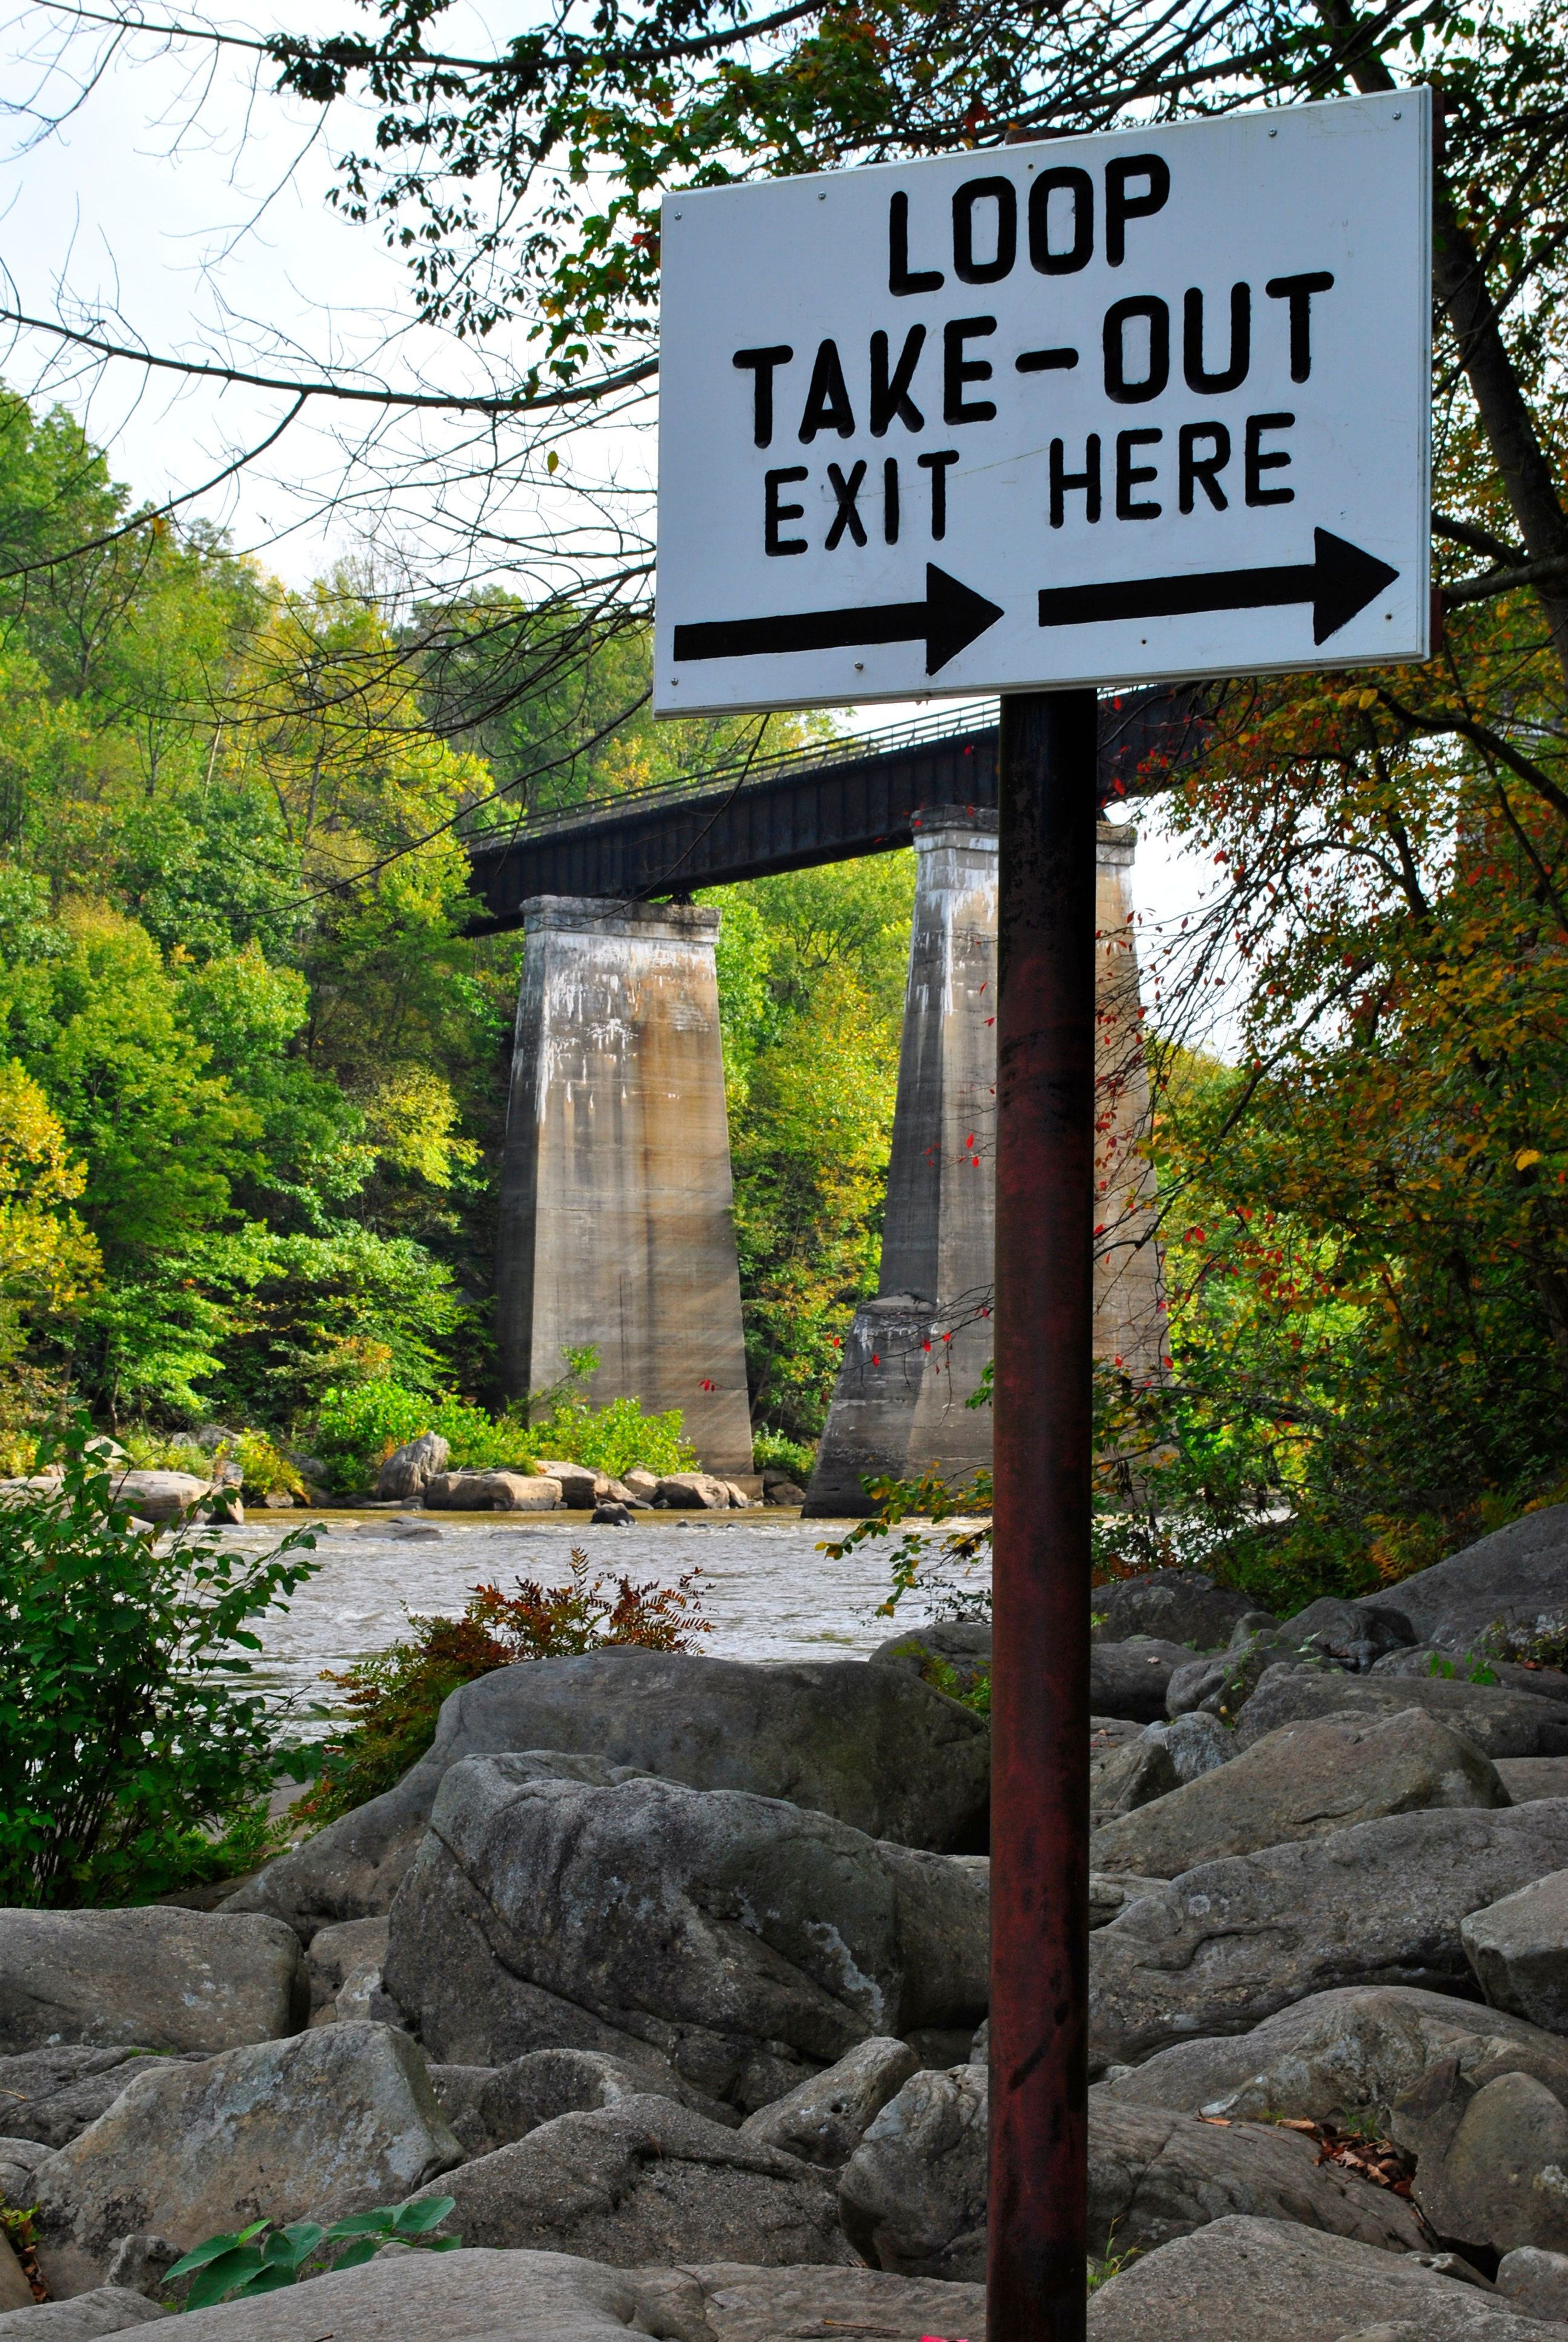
[[1135, 407], [1040, 1673]]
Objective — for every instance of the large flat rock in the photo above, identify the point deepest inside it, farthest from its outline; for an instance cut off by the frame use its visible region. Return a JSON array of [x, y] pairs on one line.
[[746, 1940], [1179, 1606], [534, 2296], [1345, 2056], [335, 2121], [1229, 1943], [646, 2181], [1305, 1781], [1517, 1577], [1271, 2281], [1500, 1723], [148, 1979], [874, 1747]]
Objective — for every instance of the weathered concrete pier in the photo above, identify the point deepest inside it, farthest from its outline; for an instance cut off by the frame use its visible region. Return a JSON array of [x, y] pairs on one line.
[[616, 1201], [916, 1353]]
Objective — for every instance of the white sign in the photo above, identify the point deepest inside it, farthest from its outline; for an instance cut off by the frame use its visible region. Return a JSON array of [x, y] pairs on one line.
[[1121, 408]]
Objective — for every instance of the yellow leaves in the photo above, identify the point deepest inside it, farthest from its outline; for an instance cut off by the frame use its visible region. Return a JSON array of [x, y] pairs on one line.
[[47, 1258], [1525, 1158], [412, 1120]]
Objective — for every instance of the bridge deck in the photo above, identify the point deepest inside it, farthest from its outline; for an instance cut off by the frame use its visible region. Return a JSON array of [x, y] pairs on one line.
[[827, 801]]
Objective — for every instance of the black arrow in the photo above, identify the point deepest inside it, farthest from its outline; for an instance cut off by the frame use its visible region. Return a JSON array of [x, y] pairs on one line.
[[947, 622], [1339, 581]]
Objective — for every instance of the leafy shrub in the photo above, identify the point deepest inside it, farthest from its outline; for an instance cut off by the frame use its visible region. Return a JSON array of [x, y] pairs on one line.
[[615, 1438], [235, 2267], [775, 1451], [128, 1739], [394, 1697], [357, 1429]]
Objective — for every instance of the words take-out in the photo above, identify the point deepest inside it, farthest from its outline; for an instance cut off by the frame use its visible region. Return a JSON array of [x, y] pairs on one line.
[[1135, 406]]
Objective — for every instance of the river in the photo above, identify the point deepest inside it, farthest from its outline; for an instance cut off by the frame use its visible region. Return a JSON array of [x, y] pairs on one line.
[[769, 1591]]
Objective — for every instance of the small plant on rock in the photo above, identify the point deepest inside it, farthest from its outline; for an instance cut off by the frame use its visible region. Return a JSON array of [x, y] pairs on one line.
[[394, 1697], [261, 2259]]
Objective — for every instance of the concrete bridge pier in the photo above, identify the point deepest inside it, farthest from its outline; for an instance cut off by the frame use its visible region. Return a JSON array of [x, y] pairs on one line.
[[918, 1350], [616, 1226]]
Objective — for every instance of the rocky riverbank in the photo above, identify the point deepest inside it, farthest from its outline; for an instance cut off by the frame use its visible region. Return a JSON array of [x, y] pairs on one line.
[[670, 1973]]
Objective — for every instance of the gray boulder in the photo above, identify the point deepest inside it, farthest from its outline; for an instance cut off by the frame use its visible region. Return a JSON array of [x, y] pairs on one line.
[[160, 1495], [16, 2293], [1516, 1577], [823, 2120], [1132, 1679], [345, 1964], [488, 2107], [1527, 1777], [50, 2095], [1109, 1895], [1518, 1948], [1354, 1636], [744, 1938], [1195, 1743], [490, 1492], [692, 1492], [913, 2198], [1179, 1606], [1129, 1777], [1276, 2281], [1534, 2282], [645, 2180], [869, 1745], [407, 1470], [1348, 2056], [189, 2150], [107, 2309], [963, 1644], [1500, 1723], [1492, 2168], [1303, 1781], [753, 2305], [152, 1978], [581, 1486], [529, 2296], [1155, 2174], [1222, 1684], [1229, 1943], [19, 2159]]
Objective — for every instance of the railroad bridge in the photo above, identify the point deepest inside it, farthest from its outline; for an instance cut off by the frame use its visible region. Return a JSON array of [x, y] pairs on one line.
[[616, 1224]]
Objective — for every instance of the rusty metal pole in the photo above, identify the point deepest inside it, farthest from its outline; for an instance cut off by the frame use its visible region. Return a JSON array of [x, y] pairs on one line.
[[1039, 1679]]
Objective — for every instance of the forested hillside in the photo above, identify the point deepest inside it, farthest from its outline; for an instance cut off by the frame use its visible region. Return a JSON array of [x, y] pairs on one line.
[[252, 1074]]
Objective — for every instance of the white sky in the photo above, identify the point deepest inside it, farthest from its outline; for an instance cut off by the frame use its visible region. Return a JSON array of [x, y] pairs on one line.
[[191, 217]]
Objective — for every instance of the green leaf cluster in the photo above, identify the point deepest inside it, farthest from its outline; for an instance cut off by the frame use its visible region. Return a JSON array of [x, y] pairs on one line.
[[262, 2257]]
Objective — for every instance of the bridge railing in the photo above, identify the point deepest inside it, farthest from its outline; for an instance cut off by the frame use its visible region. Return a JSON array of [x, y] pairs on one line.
[[739, 772]]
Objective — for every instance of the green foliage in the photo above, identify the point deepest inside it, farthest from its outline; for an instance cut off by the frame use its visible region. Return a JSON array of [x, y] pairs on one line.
[[812, 969], [615, 1438], [128, 1736], [262, 2257], [394, 1697], [358, 1428], [775, 1451]]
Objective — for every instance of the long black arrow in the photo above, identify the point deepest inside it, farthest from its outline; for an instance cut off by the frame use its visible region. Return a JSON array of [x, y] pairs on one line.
[[947, 622], [1339, 581]]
